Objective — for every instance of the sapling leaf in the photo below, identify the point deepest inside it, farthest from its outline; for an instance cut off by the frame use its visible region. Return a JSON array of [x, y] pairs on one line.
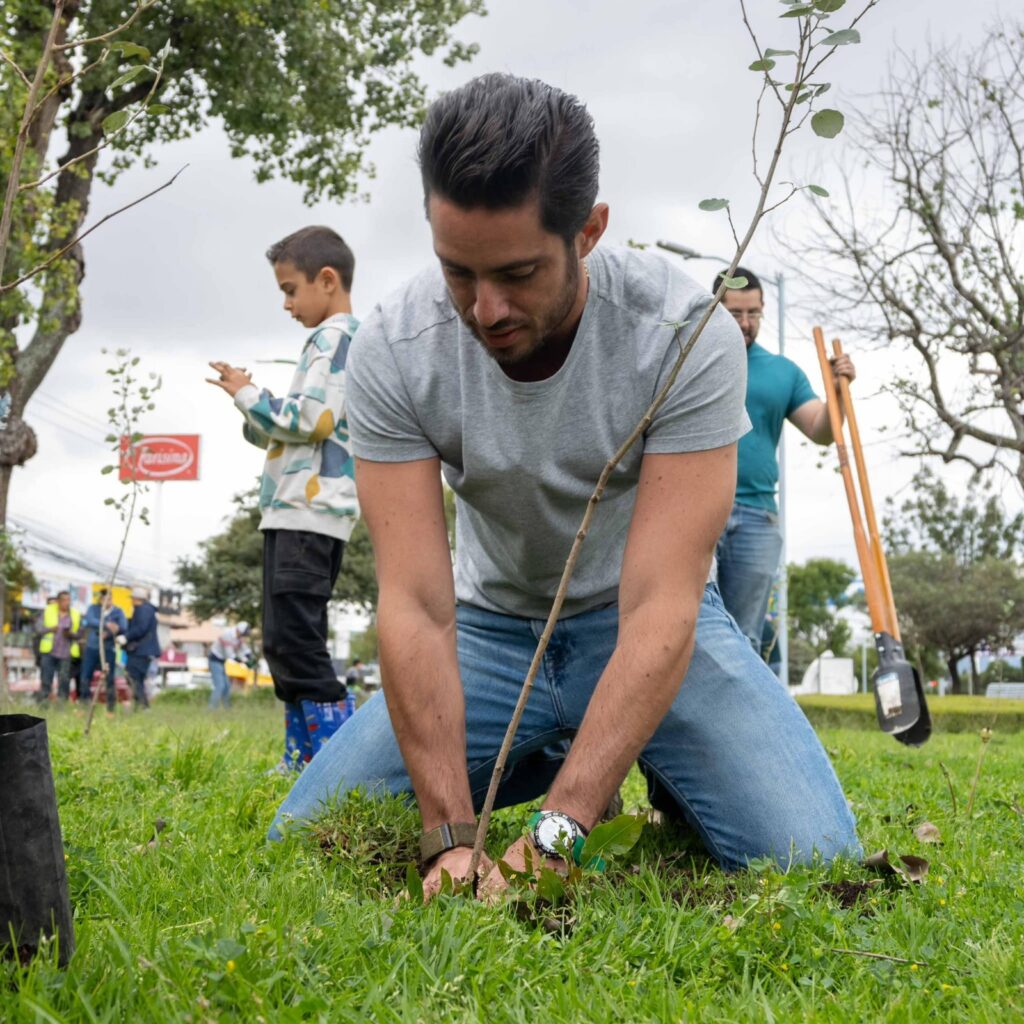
[[818, 190], [827, 123], [447, 885], [114, 122], [710, 205], [762, 65], [550, 887], [769, 52], [107, 469], [527, 859], [131, 50], [735, 282], [798, 12], [158, 108], [843, 37], [829, 6], [612, 838], [129, 76], [508, 872], [413, 883]]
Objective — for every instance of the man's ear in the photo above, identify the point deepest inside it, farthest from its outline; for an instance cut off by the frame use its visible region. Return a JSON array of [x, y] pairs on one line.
[[592, 230]]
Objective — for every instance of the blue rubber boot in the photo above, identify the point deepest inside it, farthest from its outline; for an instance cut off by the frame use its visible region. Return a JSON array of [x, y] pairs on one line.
[[323, 721], [298, 750]]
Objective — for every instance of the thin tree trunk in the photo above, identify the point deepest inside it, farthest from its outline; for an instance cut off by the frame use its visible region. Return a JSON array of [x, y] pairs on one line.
[[954, 675]]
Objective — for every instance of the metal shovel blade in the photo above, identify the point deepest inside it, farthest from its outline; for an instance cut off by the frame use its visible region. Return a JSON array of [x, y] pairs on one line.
[[900, 702]]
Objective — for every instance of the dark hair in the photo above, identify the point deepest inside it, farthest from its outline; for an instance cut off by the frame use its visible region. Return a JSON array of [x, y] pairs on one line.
[[313, 248], [62, 593], [753, 281], [102, 592], [499, 139]]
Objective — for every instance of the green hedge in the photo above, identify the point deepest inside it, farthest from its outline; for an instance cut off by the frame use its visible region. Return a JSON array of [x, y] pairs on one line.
[[949, 714]]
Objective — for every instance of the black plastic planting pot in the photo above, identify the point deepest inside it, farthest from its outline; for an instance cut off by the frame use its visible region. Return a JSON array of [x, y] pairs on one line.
[[34, 901]]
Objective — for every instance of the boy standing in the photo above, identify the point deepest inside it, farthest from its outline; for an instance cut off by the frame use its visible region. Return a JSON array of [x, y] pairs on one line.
[[307, 492]]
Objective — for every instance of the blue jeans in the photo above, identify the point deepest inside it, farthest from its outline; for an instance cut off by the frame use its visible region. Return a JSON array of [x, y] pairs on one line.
[[90, 664], [748, 559], [734, 752], [221, 684]]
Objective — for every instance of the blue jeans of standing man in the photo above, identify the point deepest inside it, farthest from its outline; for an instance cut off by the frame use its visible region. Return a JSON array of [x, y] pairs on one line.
[[734, 753], [221, 684], [748, 559], [137, 668], [90, 663], [49, 666]]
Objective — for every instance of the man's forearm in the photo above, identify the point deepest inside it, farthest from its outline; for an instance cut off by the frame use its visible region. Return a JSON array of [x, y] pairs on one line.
[[633, 695], [420, 674]]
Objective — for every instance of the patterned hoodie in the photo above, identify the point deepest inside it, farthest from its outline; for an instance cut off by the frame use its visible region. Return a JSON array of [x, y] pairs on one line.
[[308, 480]]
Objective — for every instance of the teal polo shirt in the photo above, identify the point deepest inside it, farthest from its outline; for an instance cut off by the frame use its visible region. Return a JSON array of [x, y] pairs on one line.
[[776, 387]]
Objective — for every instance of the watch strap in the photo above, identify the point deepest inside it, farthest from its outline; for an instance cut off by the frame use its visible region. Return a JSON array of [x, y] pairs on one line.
[[446, 837]]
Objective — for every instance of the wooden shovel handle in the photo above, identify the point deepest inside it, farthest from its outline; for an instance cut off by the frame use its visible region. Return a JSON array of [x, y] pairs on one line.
[[874, 536], [872, 586]]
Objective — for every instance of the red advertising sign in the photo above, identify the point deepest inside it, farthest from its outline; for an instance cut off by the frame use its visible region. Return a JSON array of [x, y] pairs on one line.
[[160, 457]]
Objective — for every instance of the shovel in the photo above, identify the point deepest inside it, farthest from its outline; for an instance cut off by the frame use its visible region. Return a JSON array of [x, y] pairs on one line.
[[899, 696]]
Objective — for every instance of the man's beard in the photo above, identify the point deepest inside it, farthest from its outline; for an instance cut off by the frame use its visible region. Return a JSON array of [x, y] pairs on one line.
[[545, 328]]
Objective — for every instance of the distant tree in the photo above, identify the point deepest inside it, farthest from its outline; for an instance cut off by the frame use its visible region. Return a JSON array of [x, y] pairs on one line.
[[817, 590], [956, 608], [364, 645], [227, 577], [970, 528], [933, 262]]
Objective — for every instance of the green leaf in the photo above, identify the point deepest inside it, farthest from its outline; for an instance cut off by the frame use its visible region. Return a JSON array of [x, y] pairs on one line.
[[158, 108], [798, 12], [131, 50], [842, 38], [115, 121], [129, 76], [413, 883], [818, 190], [827, 123], [107, 469], [769, 52], [710, 205], [550, 887], [447, 885], [229, 949], [829, 6], [762, 65], [735, 282], [613, 838]]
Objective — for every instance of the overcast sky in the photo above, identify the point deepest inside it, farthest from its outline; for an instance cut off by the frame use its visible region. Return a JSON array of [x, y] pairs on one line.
[[182, 278]]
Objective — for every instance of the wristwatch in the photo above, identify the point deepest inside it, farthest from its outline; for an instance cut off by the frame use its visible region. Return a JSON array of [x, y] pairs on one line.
[[552, 831], [446, 837]]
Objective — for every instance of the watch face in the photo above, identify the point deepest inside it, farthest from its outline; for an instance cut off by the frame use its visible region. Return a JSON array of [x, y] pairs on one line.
[[552, 828]]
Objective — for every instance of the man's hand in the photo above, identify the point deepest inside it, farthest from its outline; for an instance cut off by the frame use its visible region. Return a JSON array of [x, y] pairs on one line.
[[842, 366], [493, 887], [232, 378], [456, 863]]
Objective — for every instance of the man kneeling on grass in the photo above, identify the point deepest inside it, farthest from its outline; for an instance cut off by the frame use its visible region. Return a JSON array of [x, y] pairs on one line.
[[518, 368]]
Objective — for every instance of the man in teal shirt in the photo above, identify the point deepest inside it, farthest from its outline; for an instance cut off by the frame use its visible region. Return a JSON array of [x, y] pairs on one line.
[[777, 390]]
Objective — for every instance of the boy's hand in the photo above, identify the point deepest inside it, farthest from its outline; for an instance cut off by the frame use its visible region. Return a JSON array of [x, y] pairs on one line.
[[232, 379]]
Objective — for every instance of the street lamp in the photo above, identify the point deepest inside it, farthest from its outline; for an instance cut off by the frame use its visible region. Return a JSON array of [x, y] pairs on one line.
[[779, 283]]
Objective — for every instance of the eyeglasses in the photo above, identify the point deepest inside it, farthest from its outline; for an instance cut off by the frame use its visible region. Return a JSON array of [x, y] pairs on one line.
[[741, 314]]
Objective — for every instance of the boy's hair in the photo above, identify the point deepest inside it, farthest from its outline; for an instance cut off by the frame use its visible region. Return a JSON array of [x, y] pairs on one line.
[[498, 140], [313, 248], [753, 281]]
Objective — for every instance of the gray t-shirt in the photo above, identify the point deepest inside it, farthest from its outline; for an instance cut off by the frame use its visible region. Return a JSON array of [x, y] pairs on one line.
[[523, 458]]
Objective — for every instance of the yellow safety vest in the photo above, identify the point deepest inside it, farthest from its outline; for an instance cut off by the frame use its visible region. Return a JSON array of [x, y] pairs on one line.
[[51, 616]]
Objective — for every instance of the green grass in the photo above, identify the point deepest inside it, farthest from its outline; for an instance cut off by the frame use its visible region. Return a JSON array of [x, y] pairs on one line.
[[212, 924], [955, 713]]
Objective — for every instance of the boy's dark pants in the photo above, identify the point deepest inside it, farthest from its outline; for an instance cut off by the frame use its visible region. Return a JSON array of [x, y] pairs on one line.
[[299, 571]]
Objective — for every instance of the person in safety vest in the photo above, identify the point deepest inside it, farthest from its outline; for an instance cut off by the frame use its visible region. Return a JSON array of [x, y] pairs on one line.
[[60, 630]]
